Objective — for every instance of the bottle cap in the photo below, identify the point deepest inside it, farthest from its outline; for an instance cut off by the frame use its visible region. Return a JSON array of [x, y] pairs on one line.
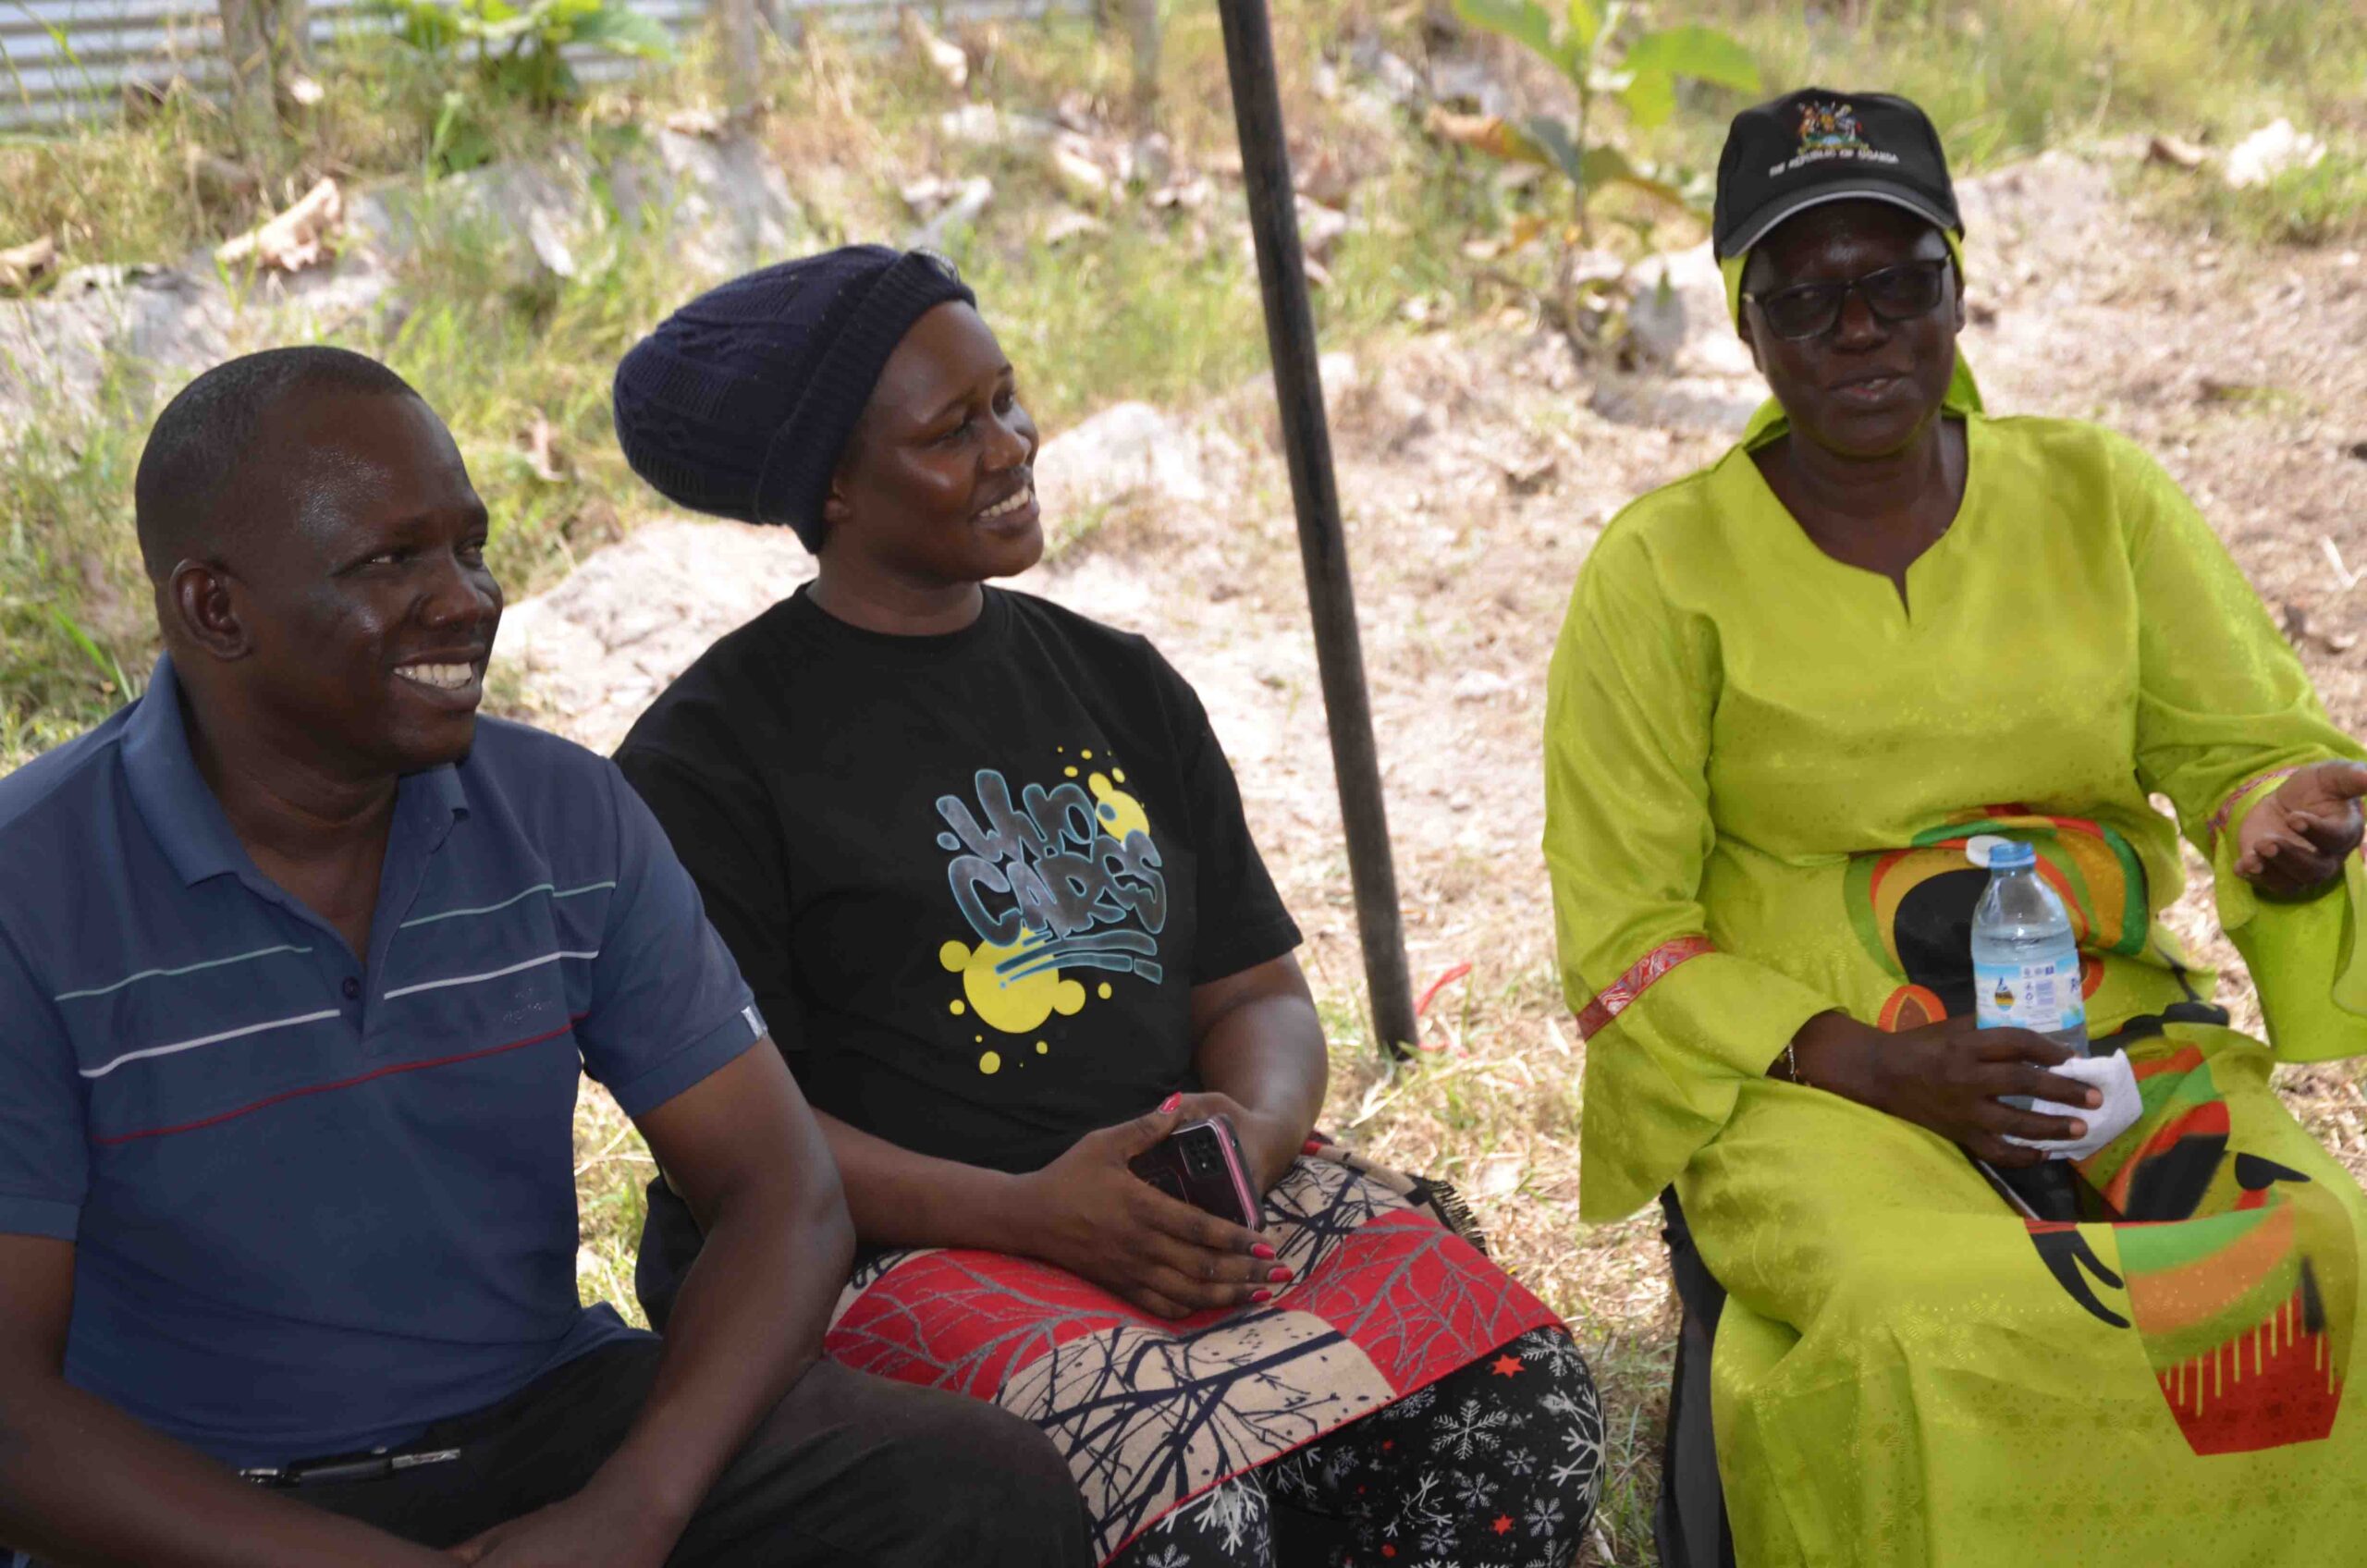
[[2011, 855]]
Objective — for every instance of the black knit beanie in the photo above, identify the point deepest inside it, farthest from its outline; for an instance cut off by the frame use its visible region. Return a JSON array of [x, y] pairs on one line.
[[742, 401]]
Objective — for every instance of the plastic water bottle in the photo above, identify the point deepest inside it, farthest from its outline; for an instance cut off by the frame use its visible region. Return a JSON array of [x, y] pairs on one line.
[[2025, 965]]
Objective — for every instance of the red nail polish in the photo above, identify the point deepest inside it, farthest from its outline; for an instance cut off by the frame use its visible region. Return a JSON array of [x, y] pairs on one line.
[[1313, 1146], [1278, 1273], [1171, 1101], [1261, 1250], [1261, 1295]]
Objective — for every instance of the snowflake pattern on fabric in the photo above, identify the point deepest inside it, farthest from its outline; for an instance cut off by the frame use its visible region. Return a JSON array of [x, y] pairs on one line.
[[1386, 1480], [1150, 1412]]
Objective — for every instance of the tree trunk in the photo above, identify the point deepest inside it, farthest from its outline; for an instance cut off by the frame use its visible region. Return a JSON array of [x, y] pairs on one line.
[[247, 50], [263, 41], [736, 36]]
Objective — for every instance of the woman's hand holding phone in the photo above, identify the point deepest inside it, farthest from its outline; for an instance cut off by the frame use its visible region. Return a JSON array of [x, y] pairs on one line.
[[1266, 1143], [1088, 1213]]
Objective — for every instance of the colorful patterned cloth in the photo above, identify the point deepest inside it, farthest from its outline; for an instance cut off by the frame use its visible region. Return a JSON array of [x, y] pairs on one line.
[[1905, 1373], [1764, 770], [1385, 1300]]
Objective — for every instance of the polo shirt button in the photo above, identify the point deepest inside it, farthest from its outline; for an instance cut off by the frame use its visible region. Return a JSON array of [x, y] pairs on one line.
[[352, 989]]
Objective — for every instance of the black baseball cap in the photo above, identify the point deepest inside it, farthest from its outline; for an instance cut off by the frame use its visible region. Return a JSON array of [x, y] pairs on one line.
[[1816, 146]]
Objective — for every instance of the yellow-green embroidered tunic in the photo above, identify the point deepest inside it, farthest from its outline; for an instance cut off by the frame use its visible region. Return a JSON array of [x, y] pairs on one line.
[[1763, 767]]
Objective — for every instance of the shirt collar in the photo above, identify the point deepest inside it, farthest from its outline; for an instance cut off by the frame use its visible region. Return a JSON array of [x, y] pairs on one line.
[[180, 808]]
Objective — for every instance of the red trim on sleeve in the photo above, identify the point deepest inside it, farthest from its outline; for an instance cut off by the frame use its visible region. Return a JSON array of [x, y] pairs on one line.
[[1620, 994], [2227, 807]]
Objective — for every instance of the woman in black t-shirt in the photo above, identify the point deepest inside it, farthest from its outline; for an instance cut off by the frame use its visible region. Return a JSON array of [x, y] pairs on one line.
[[985, 865]]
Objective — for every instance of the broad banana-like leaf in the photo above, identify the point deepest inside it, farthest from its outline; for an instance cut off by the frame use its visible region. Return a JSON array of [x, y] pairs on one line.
[[1649, 98], [1609, 166], [614, 26], [1701, 52], [1554, 136], [1526, 22], [1586, 25]]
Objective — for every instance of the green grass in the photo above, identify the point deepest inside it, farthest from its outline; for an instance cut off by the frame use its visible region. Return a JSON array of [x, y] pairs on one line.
[[2323, 205], [2003, 79]]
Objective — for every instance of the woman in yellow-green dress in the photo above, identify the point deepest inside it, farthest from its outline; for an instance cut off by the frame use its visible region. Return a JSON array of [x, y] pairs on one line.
[[1793, 692]]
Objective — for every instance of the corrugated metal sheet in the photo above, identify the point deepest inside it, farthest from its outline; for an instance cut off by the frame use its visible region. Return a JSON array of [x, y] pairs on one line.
[[67, 59]]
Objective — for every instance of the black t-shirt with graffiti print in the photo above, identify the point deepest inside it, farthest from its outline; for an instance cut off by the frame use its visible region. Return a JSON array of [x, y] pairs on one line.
[[972, 878]]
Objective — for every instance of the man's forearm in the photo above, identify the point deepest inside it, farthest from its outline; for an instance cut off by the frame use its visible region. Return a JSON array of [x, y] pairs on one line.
[[748, 1322], [80, 1482]]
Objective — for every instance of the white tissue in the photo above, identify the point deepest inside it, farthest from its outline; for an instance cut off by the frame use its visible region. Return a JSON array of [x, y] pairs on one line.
[[2121, 1108]]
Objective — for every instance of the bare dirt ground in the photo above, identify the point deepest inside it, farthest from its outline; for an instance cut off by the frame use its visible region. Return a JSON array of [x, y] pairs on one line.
[[1476, 472]]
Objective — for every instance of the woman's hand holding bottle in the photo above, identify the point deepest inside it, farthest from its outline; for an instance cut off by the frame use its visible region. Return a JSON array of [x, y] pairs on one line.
[[1950, 1076]]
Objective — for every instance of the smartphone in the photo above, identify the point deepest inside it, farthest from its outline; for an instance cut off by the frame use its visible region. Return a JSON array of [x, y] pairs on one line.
[[1200, 1163]]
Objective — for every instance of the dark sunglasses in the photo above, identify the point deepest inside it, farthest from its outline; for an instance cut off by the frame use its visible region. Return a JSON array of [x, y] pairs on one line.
[[1893, 294]]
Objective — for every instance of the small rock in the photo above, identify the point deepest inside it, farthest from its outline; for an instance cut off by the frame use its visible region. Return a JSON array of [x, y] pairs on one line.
[[1125, 451], [2175, 151], [546, 233], [1068, 222], [1656, 321], [705, 124], [960, 213], [2356, 450], [1467, 78], [1077, 170], [1527, 478], [1153, 157], [1399, 81], [944, 56], [1478, 685], [1319, 227], [2275, 149], [1190, 194], [928, 194], [981, 124]]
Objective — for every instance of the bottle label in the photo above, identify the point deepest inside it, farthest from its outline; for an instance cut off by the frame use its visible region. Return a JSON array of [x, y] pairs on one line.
[[2041, 996]]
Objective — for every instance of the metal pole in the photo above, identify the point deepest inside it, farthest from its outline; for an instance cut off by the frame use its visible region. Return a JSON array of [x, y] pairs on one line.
[[1323, 549]]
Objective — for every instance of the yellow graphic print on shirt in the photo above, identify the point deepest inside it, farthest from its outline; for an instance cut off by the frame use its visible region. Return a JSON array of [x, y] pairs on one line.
[[1065, 878]]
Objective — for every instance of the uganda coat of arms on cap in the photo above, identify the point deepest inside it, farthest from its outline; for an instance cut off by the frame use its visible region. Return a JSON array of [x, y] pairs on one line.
[[1831, 128]]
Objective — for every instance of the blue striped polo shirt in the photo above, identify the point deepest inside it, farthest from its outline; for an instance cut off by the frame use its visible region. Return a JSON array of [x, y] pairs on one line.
[[321, 1200]]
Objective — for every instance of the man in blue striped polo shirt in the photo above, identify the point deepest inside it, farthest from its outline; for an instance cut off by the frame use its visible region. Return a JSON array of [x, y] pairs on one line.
[[300, 961]]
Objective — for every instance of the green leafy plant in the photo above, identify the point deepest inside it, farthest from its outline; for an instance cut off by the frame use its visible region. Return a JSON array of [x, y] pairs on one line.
[[519, 50], [1605, 59], [1639, 72]]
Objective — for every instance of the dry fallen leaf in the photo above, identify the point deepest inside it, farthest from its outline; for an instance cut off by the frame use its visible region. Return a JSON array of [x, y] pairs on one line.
[[27, 264], [543, 454], [705, 124], [297, 239], [944, 56]]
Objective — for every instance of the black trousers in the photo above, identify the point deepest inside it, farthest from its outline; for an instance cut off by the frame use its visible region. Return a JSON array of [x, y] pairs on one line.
[[848, 1469]]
